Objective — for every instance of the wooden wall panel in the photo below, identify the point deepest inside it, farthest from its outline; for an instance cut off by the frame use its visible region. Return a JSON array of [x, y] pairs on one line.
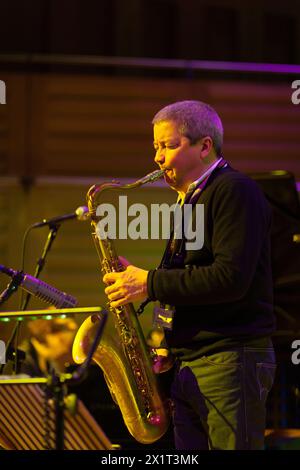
[[93, 125], [13, 125], [261, 124], [98, 125], [13, 215], [3, 140], [85, 125]]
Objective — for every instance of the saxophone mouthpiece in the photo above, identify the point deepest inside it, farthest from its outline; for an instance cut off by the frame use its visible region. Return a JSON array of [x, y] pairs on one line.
[[151, 177]]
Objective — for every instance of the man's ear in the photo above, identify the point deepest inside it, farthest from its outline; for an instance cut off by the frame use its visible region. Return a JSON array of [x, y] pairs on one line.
[[207, 146]]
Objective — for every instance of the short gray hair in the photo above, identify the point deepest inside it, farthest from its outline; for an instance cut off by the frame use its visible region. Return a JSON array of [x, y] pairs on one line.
[[194, 119]]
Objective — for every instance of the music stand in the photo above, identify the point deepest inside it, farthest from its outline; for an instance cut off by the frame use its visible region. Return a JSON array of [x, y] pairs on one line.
[[27, 419], [72, 437]]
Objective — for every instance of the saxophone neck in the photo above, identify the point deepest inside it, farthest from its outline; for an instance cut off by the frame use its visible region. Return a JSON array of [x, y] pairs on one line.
[[149, 178], [95, 191]]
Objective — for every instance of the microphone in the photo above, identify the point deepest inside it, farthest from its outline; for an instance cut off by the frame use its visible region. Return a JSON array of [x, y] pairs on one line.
[[38, 288], [81, 213]]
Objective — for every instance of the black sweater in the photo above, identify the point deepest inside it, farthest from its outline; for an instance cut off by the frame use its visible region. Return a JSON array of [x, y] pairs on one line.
[[223, 292]]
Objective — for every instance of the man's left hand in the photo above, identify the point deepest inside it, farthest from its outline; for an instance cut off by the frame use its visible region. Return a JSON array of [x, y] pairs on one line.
[[126, 286]]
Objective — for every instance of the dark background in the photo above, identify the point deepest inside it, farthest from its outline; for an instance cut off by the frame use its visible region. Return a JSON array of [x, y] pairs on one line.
[[231, 30]]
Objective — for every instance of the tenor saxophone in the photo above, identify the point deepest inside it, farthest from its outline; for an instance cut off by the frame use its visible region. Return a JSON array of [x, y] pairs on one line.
[[122, 353]]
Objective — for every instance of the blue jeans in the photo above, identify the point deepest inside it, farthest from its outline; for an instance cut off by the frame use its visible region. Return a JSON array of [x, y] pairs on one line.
[[219, 399]]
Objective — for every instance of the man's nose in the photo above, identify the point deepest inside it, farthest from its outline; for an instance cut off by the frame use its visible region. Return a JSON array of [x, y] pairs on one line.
[[159, 156]]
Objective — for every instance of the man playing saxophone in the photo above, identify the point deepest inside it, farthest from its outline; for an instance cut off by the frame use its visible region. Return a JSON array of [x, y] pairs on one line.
[[222, 317]]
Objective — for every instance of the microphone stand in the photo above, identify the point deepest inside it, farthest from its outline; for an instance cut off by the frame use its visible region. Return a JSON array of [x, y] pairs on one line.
[[41, 261], [59, 381], [38, 269]]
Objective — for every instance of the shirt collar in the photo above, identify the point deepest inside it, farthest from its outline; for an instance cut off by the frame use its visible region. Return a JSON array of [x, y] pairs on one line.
[[198, 181]]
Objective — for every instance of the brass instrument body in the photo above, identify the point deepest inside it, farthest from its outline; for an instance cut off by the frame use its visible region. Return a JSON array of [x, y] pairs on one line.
[[122, 353]]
